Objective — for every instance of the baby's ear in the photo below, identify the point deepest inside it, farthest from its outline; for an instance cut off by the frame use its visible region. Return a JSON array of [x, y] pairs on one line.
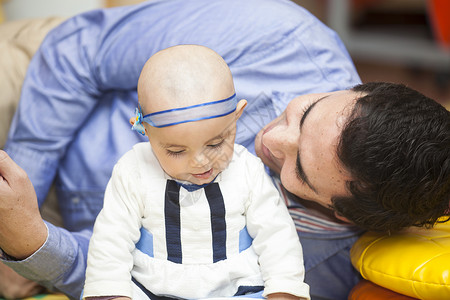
[[132, 121], [240, 108]]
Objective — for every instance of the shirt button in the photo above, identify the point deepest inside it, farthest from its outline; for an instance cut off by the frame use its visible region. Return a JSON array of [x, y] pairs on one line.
[[76, 200]]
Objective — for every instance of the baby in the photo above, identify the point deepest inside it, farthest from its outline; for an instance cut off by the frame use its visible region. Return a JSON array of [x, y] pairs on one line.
[[190, 214]]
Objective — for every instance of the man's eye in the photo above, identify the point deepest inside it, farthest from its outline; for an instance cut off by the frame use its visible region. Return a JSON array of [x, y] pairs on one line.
[[307, 107]]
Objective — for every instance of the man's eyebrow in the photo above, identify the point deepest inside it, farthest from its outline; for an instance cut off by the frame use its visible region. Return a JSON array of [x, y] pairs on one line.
[[298, 165], [308, 110]]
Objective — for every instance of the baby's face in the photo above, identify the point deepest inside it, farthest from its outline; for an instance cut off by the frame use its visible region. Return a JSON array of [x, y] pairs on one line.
[[196, 151]]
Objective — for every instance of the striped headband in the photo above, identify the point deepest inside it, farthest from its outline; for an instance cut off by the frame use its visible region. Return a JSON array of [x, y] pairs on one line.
[[208, 110]]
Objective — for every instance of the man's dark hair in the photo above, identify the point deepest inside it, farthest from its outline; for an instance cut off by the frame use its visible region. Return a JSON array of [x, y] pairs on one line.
[[396, 144]]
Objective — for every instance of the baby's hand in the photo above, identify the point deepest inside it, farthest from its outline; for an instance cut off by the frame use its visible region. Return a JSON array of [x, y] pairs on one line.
[[284, 296]]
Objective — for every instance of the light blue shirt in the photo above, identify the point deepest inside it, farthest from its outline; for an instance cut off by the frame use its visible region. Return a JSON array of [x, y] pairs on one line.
[[80, 91]]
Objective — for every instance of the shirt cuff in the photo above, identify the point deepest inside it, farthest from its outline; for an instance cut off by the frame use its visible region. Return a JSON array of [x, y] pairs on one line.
[[293, 287], [48, 263], [5, 257]]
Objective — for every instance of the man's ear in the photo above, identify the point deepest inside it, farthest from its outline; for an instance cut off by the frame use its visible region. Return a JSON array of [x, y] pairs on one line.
[[240, 108], [342, 218]]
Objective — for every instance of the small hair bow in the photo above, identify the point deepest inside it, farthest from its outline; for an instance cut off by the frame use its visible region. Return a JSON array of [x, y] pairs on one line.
[[138, 126]]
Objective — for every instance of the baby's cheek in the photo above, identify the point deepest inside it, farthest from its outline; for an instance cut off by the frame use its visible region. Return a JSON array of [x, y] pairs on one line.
[[223, 159]]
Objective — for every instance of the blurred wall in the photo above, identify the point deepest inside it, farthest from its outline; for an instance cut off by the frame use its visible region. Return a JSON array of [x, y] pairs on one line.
[[413, 57], [25, 9]]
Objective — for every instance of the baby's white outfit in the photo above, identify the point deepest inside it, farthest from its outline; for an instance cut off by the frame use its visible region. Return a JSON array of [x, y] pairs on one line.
[[230, 237]]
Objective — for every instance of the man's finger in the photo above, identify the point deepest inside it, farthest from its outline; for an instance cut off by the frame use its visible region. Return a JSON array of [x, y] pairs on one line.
[[3, 155], [9, 170]]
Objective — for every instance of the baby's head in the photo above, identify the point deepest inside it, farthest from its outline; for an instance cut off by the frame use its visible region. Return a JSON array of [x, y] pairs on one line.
[[189, 111]]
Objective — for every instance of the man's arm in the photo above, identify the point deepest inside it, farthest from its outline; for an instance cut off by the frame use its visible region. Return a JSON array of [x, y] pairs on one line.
[[56, 97], [58, 94], [28, 243]]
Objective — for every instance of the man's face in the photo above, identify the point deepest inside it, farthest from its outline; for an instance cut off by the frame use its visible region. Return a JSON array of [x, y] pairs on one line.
[[301, 145]]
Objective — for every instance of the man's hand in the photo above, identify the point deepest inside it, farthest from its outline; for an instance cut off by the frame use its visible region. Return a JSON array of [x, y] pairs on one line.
[[14, 286], [22, 230]]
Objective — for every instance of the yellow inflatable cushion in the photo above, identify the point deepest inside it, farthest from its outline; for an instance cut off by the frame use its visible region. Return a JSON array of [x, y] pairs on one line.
[[415, 262]]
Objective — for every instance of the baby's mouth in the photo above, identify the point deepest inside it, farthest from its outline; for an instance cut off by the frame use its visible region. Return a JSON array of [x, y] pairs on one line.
[[204, 175]]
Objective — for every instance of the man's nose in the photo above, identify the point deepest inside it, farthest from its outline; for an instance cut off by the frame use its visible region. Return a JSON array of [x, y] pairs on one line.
[[280, 141]]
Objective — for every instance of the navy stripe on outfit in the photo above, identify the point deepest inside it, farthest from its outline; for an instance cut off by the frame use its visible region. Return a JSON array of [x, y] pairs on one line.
[[173, 222], [218, 223]]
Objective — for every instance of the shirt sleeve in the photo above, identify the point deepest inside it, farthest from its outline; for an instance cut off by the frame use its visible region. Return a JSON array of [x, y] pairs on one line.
[[275, 239], [61, 85], [116, 231]]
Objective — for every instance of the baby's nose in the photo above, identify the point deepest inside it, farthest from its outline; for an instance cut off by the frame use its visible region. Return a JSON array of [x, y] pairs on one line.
[[200, 159]]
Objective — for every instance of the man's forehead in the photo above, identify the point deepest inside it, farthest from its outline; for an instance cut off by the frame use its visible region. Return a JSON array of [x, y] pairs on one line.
[[338, 105], [318, 146]]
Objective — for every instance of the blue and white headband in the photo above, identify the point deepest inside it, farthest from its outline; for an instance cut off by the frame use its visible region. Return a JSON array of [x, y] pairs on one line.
[[208, 110]]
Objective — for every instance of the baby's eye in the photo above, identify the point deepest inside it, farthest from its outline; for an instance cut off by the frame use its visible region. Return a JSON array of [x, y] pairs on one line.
[[175, 153], [216, 145]]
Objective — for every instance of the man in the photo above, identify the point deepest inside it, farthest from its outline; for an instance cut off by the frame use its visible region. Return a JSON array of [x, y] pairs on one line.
[[83, 80]]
